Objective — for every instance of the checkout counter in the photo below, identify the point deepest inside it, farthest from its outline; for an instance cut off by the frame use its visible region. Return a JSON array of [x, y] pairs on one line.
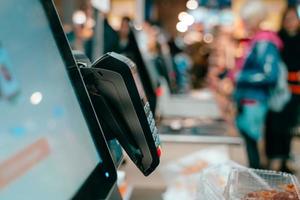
[[57, 117], [193, 117]]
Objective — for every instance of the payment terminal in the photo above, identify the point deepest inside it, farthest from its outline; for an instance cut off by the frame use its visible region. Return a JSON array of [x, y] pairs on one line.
[[120, 101], [115, 148]]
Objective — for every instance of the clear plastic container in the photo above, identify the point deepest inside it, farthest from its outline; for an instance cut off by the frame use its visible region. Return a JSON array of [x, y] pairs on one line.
[[213, 181], [252, 184]]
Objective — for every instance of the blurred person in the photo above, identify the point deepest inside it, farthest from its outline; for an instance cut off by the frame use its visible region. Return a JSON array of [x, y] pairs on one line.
[[111, 37], [257, 77], [279, 126], [221, 66], [199, 53], [183, 64], [83, 25], [125, 44], [126, 40]]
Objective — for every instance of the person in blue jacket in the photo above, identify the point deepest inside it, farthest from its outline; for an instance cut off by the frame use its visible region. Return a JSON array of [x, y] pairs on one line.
[[257, 77]]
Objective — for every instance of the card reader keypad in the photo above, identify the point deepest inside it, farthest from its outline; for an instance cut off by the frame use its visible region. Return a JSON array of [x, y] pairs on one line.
[[151, 122]]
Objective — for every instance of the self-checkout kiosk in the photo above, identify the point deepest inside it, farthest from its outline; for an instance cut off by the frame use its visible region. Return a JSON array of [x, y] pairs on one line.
[[58, 118]]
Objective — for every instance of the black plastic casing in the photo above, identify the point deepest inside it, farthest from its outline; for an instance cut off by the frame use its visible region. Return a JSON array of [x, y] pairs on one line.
[[116, 90]]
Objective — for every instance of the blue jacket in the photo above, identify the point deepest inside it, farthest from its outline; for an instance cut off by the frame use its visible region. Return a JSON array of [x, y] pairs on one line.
[[259, 74]]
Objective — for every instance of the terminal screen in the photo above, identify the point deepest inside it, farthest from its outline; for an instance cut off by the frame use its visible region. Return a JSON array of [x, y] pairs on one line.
[[46, 151]]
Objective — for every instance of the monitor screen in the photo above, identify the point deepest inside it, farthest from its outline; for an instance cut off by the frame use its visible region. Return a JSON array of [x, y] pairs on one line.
[[46, 151]]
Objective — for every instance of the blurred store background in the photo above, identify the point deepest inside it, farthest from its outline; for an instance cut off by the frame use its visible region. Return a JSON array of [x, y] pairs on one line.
[[188, 48]]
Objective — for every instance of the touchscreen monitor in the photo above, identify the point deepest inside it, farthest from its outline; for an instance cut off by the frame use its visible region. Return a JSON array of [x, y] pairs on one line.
[[46, 149]]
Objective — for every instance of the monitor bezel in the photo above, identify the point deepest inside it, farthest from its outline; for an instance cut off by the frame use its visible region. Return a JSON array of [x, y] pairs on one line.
[[97, 185]]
